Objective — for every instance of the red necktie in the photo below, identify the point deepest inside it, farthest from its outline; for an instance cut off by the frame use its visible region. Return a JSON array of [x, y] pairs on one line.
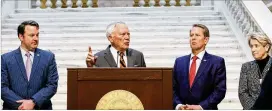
[[192, 71]]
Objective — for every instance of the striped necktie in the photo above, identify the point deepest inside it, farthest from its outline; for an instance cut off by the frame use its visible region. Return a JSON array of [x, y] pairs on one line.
[[122, 61]]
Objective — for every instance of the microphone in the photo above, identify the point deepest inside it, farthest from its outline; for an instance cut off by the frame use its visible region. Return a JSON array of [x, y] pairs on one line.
[[117, 63]]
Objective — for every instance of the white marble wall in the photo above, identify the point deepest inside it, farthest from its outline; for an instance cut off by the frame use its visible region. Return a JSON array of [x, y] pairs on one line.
[[115, 3], [8, 7]]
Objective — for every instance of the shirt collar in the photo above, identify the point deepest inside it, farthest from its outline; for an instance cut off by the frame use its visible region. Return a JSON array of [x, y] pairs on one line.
[[24, 52], [199, 55], [114, 51]]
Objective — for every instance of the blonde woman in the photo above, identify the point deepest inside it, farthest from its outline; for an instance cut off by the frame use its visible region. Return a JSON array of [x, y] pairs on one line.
[[253, 72]]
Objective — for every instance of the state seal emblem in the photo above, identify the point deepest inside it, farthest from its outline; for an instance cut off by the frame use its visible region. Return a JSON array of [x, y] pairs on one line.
[[119, 100]]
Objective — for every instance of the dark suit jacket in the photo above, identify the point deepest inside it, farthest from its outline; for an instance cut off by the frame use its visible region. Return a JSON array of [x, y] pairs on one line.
[[41, 86], [249, 83], [209, 86], [134, 58], [265, 98]]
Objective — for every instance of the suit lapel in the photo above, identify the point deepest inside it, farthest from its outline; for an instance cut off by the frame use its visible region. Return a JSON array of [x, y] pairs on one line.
[[186, 69], [37, 56], [109, 57], [202, 66], [254, 75], [130, 58], [20, 62]]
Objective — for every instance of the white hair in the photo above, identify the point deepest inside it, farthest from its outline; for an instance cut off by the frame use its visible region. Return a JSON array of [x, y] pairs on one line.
[[111, 27]]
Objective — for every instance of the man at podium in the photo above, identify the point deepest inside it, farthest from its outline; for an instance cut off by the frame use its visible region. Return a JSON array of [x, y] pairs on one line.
[[199, 79], [117, 54]]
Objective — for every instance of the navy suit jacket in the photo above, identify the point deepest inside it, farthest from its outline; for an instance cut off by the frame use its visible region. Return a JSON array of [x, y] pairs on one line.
[[209, 86], [42, 84]]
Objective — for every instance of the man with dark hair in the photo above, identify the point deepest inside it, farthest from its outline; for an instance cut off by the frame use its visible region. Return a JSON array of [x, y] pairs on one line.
[[199, 79], [29, 76]]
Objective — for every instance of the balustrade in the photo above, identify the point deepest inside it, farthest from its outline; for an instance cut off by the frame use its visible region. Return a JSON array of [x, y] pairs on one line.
[[242, 17], [44, 4]]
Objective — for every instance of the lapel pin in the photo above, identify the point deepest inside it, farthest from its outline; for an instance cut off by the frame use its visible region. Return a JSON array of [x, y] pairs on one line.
[[205, 60], [38, 54]]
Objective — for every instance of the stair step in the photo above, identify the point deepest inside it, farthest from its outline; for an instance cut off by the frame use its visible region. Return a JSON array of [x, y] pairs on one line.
[[105, 43], [139, 23], [119, 18], [13, 30], [66, 37], [115, 9], [142, 46], [132, 28], [109, 14], [133, 40]]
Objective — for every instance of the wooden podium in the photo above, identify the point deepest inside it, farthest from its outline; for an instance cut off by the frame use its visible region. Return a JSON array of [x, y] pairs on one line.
[[86, 86]]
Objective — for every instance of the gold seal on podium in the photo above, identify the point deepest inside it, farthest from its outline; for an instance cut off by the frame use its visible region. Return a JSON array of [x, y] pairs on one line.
[[119, 100]]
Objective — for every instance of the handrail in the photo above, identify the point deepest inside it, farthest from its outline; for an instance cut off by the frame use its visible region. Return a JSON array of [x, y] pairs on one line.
[[243, 17], [44, 4]]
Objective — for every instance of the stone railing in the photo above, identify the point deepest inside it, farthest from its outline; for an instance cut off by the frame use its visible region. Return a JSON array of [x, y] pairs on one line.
[[66, 3], [269, 6], [242, 16], [94, 3], [268, 3], [161, 3]]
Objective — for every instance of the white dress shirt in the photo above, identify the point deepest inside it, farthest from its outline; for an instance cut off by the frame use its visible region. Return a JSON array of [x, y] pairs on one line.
[[198, 62], [117, 58], [23, 52]]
